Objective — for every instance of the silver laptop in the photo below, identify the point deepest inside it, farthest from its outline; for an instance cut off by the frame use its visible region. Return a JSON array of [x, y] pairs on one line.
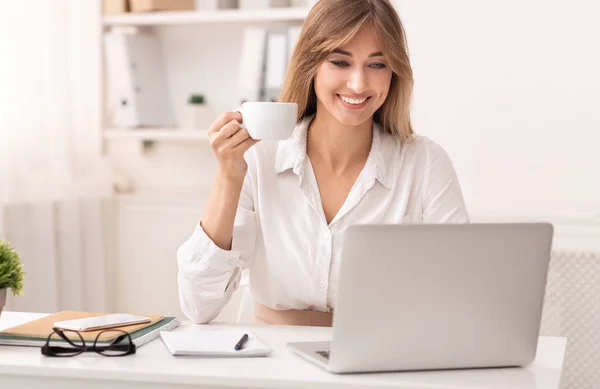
[[443, 296]]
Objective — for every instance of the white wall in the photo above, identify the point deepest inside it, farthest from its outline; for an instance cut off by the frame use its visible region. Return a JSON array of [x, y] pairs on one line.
[[512, 90]]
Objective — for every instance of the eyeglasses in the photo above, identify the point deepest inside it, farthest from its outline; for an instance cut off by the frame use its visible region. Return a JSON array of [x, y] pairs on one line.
[[55, 346]]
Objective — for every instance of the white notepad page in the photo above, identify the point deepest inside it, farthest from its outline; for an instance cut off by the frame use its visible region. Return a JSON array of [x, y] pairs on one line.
[[215, 343]]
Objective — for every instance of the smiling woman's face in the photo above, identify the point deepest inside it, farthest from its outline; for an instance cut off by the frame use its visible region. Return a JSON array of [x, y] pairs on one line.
[[354, 80]]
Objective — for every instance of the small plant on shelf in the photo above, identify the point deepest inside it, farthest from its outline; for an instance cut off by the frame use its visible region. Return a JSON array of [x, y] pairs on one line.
[[196, 99]]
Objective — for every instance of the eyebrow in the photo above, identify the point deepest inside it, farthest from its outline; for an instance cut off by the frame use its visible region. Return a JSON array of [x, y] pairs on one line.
[[344, 52]]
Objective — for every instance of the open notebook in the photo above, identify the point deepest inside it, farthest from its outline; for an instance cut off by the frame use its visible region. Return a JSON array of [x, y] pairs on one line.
[[214, 343]]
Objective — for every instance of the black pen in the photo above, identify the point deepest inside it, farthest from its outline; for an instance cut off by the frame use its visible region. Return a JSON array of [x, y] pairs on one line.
[[241, 342]]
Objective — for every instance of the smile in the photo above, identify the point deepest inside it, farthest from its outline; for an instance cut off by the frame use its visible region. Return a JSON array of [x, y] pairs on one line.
[[353, 103]]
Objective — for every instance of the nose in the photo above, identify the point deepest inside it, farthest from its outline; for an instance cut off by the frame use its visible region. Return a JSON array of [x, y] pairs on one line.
[[358, 82]]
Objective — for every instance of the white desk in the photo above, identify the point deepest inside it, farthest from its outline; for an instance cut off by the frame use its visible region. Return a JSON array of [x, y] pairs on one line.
[[153, 367]]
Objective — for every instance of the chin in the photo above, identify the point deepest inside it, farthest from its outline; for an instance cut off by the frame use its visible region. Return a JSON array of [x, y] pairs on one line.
[[353, 120]]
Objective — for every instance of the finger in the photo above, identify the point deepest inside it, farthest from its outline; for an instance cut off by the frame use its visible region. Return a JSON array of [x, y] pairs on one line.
[[224, 119], [237, 138], [227, 130], [245, 145]]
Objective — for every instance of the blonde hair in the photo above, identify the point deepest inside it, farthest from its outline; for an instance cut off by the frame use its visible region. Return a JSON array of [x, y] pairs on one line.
[[329, 25]]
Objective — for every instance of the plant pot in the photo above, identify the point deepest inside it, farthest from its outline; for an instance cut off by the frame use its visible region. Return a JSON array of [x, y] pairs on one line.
[[2, 299], [198, 117]]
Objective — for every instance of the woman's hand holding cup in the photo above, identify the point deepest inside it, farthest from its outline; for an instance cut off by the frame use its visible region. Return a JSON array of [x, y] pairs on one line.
[[230, 134], [229, 143]]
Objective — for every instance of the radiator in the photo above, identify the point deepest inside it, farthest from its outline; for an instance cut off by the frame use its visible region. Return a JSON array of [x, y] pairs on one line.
[[572, 309]]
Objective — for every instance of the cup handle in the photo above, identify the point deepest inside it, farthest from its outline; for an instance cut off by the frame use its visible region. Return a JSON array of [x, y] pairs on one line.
[[240, 110]]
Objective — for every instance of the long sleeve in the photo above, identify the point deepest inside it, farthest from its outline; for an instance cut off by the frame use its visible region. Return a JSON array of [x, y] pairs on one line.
[[208, 275], [443, 201]]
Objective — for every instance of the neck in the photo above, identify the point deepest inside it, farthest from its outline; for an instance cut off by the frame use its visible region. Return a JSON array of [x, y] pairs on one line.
[[337, 146]]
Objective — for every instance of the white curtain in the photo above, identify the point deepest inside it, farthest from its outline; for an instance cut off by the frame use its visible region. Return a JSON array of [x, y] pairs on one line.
[[55, 202]]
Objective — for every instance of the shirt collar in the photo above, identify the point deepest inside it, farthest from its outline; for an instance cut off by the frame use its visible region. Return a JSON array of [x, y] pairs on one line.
[[291, 153]]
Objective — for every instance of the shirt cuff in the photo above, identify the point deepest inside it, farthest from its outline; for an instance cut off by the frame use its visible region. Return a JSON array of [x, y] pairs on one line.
[[204, 255]]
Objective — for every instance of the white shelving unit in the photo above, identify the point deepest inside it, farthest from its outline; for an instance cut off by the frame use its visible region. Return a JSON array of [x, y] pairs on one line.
[[237, 17], [156, 134], [201, 17]]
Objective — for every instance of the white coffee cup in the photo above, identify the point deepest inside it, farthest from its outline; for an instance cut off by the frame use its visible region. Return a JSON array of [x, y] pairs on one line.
[[269, 120]]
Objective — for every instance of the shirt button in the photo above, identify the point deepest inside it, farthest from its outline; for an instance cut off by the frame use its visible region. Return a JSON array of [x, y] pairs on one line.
[[232, 262], [327, 234], [322, 285]]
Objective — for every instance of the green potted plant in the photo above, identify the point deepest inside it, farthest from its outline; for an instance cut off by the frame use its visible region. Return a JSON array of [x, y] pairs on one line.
[[199, 116], [11, 272]]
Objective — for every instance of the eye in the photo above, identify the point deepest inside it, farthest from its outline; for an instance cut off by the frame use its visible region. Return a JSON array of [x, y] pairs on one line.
[[377, 66], [339, 64]]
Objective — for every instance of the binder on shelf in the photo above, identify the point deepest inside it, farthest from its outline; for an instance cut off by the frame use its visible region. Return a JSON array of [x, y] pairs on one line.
[[137, 88], [276, 62], [252, 65]]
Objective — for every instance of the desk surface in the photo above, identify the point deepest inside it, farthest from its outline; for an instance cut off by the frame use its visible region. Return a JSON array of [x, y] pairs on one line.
[[153, 363]]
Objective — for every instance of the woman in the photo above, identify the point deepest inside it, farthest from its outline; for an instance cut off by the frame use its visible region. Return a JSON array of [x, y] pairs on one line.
[[279, 208]]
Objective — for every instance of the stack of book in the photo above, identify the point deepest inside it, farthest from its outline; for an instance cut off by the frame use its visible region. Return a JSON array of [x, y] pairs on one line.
[[36, 332]]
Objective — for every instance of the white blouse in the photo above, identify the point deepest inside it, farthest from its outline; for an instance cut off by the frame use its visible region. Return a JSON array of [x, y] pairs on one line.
[[281, 235]]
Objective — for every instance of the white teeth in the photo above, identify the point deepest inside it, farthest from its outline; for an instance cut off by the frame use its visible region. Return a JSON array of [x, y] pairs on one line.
[[353, 101]]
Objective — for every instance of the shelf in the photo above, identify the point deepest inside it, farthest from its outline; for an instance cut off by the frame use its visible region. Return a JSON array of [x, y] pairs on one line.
[[201, 17], [158, 134]]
